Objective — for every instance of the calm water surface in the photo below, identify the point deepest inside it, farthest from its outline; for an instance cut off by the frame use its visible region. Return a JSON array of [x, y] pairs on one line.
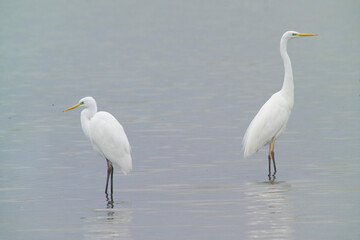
[[184, 79]]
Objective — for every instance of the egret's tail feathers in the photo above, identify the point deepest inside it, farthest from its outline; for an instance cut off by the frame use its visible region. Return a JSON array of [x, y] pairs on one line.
[[248, 151], [125, 165], [126, 171], [249, 147]]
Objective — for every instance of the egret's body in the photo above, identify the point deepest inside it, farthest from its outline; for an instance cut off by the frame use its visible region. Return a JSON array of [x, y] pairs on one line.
[[107, 137], [270, 122]]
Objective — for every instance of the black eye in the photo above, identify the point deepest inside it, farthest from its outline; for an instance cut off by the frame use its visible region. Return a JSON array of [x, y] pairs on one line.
[[82, 103], [294, 34]]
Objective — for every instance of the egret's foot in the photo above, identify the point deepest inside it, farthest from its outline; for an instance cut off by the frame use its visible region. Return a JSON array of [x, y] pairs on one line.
[[272, 179], [109, 200]]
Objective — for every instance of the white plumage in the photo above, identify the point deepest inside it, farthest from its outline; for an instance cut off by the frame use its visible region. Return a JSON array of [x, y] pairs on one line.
[[110, 141], [270, 122], [106, 135]]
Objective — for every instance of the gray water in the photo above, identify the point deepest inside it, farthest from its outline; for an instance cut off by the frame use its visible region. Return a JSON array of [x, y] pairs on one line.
[[185, 79]]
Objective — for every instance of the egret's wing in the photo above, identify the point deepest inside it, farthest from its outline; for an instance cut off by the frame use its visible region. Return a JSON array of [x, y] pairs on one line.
[[269, 122], [109, 139]]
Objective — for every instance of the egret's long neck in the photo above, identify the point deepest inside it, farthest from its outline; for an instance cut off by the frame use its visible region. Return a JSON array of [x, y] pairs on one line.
[[86, 116], [288, 85]]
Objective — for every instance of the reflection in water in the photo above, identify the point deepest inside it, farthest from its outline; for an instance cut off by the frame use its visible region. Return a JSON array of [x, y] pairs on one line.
[[110, 222], [269, 211]]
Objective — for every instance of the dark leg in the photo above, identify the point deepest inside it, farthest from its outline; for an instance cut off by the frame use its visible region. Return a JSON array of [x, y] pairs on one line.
[[108, 175], [112, 177], [269, 157], [272, 154], [273, 158], [269, 165]]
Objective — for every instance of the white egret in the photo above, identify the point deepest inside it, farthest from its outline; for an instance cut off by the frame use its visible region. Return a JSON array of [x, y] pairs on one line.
[[270, 122], [107, 137]]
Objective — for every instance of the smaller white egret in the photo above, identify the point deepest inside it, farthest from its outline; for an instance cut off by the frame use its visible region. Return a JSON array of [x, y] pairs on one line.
[[107, 137], [270, 122]]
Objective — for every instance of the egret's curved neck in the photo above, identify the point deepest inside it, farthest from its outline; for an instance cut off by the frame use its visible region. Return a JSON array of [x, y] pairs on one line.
[[86, 116], [288, 85]]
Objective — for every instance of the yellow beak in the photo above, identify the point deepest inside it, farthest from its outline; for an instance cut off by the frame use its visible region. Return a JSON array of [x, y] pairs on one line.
[[75, 106], [305, 34]]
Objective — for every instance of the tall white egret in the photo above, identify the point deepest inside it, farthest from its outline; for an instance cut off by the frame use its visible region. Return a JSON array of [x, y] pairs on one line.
[[270, 122], [107, 137]]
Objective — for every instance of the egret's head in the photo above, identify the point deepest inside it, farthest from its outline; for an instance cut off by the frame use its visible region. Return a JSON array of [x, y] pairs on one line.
[[84, 102], [293, 34]]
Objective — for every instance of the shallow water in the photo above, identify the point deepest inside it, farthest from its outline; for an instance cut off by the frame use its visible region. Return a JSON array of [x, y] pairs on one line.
[[184, 79]]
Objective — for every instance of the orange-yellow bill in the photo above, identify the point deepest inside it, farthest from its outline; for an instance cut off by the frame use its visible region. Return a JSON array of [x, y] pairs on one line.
[[306, 34], [75, 106]]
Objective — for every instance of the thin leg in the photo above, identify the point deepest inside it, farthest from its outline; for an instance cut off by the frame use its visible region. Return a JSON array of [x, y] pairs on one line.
[[273, 158], [269, 157], [108, 175], [273, 155], [112, 177]]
